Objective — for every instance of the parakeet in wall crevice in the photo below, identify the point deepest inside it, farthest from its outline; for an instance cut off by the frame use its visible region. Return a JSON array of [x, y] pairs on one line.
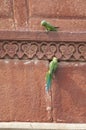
[[48, 26], [49, 75]]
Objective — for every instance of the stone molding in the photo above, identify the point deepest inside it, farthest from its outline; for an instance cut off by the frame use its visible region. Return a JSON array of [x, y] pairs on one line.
[[42, 46], [25, 49], [41, 126]]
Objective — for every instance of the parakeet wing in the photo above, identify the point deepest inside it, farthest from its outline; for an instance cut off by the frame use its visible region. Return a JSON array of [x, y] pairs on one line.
[[53, 66]]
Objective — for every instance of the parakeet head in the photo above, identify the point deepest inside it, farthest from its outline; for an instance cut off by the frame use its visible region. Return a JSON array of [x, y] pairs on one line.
[[55, 59], [43, 23]]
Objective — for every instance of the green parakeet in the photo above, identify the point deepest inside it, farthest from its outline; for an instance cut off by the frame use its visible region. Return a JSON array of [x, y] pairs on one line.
[[48, 26], [49, 75]]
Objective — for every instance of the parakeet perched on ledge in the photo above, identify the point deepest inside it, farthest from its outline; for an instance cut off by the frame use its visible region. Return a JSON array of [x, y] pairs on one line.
[[48, 26], [49, 75]]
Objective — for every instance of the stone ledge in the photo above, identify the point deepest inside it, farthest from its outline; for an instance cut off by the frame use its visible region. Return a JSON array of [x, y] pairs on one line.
[[66, 46], [43, 36], [40, 126]]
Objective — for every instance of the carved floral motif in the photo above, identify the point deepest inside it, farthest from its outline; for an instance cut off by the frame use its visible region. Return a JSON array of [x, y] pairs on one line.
[[43, 50], [10, 48], [82, 50]]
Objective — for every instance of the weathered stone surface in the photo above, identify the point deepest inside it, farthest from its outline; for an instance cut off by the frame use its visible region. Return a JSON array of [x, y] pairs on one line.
[[20, 14], [22, 83], [57, 8], [22, 90], [72, 9], [69, 93], [6, 24], [46, 8], [6, 9]]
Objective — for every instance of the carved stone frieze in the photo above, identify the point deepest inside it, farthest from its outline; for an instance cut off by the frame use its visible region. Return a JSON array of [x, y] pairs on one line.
[[71, 51]]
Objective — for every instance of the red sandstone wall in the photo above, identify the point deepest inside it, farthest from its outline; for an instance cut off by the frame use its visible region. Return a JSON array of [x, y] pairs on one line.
[[27, 14], [22, 82], [23, 97]]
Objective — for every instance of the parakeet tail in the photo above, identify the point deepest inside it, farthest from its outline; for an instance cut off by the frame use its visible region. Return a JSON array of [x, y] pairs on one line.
[[48, 82]]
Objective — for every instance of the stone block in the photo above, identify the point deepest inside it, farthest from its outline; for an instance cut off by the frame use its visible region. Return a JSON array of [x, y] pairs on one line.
[[46, 8], [20, 14], [69, 93], [22, 90], [7, 24], [6, 9], [57, 8]]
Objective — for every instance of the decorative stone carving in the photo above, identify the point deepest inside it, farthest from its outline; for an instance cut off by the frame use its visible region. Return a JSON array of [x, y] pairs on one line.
[[43, 50], [82, 50], [29, 49], [10, 48]]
